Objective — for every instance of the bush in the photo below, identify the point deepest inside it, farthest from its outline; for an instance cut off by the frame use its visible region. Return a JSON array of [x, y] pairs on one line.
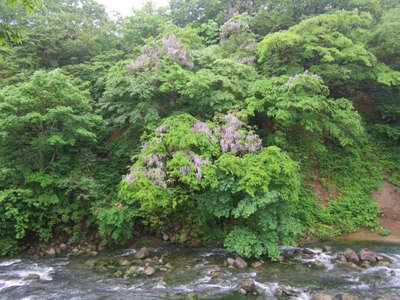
[[47, 131], [218, 170]]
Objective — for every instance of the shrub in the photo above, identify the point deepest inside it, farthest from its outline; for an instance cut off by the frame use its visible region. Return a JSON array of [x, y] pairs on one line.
[[218, 170], [47, 131]]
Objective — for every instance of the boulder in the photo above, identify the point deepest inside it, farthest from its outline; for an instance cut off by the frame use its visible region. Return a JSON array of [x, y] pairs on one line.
[[351, 255], [248, 286], [123, 262], [369, 256], [321, 296], [216, 274], [149, 270], [132, 271], [142, 253], [327, 248], [63, 247], [287, 291], [51, 251], [341, 258], [165, 237], [35, 256], [365, 264], [257, 264], [230, 261], [168, 266], [117, 274], [347, 296], [240, 263], [91, 263]]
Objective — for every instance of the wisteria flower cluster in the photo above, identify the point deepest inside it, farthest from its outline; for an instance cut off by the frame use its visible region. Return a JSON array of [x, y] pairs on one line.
[[154, 169], [203, 127], [231, 136], [197, 161], [151, 56], [162, 129], [247, 60], [293, 79], [147, 60], [232, 27], [175, 48], [235, 141]]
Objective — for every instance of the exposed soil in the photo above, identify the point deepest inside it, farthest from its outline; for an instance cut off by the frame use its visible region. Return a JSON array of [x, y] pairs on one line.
[[321, 191], [388, 198]]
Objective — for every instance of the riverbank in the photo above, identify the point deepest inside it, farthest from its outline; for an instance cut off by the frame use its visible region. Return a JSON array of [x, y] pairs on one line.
[[388, 199], [170, 272]]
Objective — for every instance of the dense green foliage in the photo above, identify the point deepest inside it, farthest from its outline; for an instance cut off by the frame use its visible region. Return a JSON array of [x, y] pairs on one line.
[[210, 120], [48, 131]]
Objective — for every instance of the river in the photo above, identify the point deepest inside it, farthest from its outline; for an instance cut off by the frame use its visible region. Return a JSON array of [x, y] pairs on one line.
[[203, 272]]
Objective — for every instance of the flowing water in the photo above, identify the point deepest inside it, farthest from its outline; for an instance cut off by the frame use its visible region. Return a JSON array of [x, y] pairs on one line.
[[203, 272]]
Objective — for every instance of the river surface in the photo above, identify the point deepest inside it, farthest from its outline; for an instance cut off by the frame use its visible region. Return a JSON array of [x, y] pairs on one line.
[[204, 272]]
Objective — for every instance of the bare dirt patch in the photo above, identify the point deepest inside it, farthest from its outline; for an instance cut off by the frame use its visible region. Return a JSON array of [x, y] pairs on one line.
[[388, 199], [320, 190]]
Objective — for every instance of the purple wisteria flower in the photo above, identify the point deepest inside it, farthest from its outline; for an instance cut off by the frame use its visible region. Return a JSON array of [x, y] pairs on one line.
[[184, 170], [232, 27], [230, 136], [152, 55], [130, 178], [162, 129], [252, 143], [154, 169], [174, 48], [203, 127], [197, 161], [153, 160], [139, 63], [290, 83], [235, 141]]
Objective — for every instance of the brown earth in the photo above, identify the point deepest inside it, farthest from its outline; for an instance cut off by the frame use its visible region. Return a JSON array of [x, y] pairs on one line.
[[320, 190], [388, 199]]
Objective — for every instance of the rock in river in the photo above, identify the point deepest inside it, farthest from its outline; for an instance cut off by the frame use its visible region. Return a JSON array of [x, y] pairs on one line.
[[366, 255], [230, 261], [351, 255], [149, 271], [240, 263], [51, 252], [321, 296], [142, 253], [247, 286]]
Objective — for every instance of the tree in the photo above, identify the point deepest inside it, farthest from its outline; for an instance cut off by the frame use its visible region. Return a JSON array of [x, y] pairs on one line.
[[9, 33], [297, 112], [48, 131], [63, 32], [330, 45], [209, 173]]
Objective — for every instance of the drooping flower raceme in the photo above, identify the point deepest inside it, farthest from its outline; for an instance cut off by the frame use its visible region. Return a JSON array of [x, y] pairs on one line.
[[170, 47], [234, 140], [232, 27], [231, 136], [291, 82], [203, 127]]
